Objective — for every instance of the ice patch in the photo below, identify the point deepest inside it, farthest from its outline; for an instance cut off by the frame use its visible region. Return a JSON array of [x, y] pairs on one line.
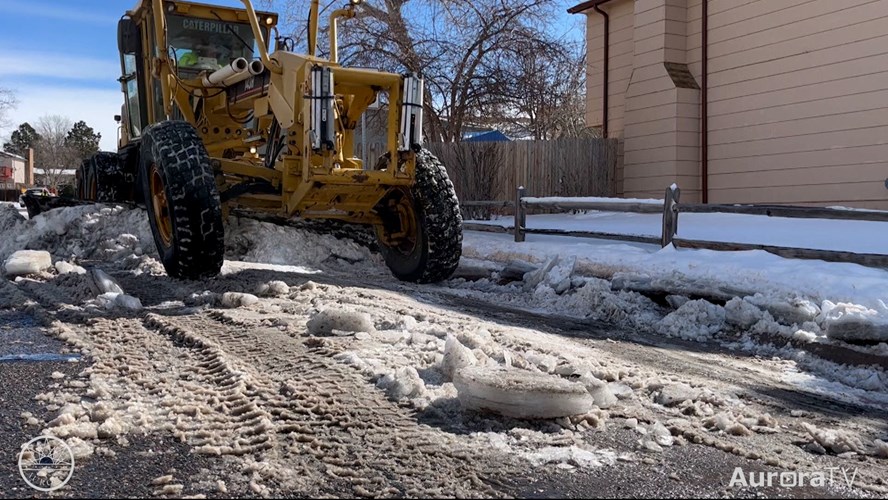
[[572, 456]]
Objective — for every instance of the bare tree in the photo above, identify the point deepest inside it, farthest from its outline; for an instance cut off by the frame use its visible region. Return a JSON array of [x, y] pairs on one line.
[[547, 91], [53, 154], [459, 46], [7, 102]]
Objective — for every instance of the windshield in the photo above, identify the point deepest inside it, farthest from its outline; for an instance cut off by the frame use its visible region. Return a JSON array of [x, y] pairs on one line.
[[203, 44]]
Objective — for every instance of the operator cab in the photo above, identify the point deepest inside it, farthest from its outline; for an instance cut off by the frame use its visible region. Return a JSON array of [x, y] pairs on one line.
[[199, 38], [197, 45]]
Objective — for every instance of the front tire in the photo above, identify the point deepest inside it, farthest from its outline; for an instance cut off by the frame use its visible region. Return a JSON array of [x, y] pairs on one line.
[[182, 200], [428, 216]]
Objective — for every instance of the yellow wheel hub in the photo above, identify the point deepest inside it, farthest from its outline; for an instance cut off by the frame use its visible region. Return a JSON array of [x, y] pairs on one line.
[[405, 238], [161, 206]]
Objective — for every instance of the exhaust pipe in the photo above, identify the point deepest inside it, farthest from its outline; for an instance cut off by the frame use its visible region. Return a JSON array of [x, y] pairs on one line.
[[411, 113], [221, 77], [256, 67]]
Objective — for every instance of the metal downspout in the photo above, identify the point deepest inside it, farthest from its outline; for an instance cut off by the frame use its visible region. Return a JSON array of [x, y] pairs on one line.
[[605, 79], [704, 112]]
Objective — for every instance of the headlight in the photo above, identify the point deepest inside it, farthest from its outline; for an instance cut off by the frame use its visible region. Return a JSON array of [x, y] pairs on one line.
[[356, 2]]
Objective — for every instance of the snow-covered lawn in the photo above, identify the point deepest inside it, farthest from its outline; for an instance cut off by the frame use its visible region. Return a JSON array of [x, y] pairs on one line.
[[849, 291], [820, 234]]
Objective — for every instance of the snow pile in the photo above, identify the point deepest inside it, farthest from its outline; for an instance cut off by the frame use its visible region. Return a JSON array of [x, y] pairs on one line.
[[9, 217], [695, 320], [268, 243], [25, 262], [742, 424], [92, 231], [833, 441], [846, 321]]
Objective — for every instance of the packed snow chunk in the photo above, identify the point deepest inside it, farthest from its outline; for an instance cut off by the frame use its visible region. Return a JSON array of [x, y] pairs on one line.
[[111, 300], [105, 283], [852, 322], [520, 394], [456, 357], [675, 394], [25, 262], [344, 320], [836, 441], [695, 320], [273, 289], [128, 302], [881, 448], [573, 456], [795, 311], [599, 390], [233, 300], [110, 428], [742, 313], [535, 277], [559, 277], [66, 268], [401, 384], [660, 434], [79, 448]]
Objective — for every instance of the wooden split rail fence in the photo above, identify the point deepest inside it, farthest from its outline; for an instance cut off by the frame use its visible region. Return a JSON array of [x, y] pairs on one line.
[[670, 210]]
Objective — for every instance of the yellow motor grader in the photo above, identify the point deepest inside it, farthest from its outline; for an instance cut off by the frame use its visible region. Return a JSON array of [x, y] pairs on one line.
[[215, 118]]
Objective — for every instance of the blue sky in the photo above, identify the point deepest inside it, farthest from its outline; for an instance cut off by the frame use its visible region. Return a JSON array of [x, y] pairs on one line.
[[60, 57]]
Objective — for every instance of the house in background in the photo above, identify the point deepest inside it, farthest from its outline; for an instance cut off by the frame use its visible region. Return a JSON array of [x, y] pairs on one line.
[[16, 173], [754, 101], [12, 170]]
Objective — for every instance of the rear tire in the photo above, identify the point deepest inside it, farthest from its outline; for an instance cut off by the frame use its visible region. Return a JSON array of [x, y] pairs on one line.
[[110, 181], [434, 249], [182, 200]]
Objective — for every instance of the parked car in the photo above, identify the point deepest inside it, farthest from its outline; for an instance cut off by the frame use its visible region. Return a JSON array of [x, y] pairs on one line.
[[36, 191]]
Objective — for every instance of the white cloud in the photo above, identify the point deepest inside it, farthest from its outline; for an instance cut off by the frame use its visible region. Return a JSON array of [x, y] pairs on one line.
[[56, 10], [56, 65], [96, 107]]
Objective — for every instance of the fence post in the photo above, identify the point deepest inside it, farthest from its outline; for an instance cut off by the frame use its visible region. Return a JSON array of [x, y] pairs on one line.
[[670, 214], [520, 218]]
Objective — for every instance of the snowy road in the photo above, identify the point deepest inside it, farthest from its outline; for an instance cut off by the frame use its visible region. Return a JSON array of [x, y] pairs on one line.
[[332, 379]]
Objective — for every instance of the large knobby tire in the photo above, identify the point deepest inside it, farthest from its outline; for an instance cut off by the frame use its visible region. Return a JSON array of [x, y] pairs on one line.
[[436, 244], [111, 185], [80, 181], [182, 200]]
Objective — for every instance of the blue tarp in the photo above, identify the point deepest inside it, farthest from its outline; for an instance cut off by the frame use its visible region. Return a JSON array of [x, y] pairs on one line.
[[492, 136]]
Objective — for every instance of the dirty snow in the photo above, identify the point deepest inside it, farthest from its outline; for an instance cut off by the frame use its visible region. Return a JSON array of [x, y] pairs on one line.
[[226, 381]]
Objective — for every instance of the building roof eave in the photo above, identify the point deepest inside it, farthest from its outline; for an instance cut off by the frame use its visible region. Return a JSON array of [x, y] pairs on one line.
[[584, 6]]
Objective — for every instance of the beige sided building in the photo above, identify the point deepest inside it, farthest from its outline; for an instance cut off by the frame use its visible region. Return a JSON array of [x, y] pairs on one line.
[[795, 93], [12, 170]]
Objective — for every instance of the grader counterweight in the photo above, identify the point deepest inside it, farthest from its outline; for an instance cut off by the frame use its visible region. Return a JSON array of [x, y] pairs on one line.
[[213, 120]]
